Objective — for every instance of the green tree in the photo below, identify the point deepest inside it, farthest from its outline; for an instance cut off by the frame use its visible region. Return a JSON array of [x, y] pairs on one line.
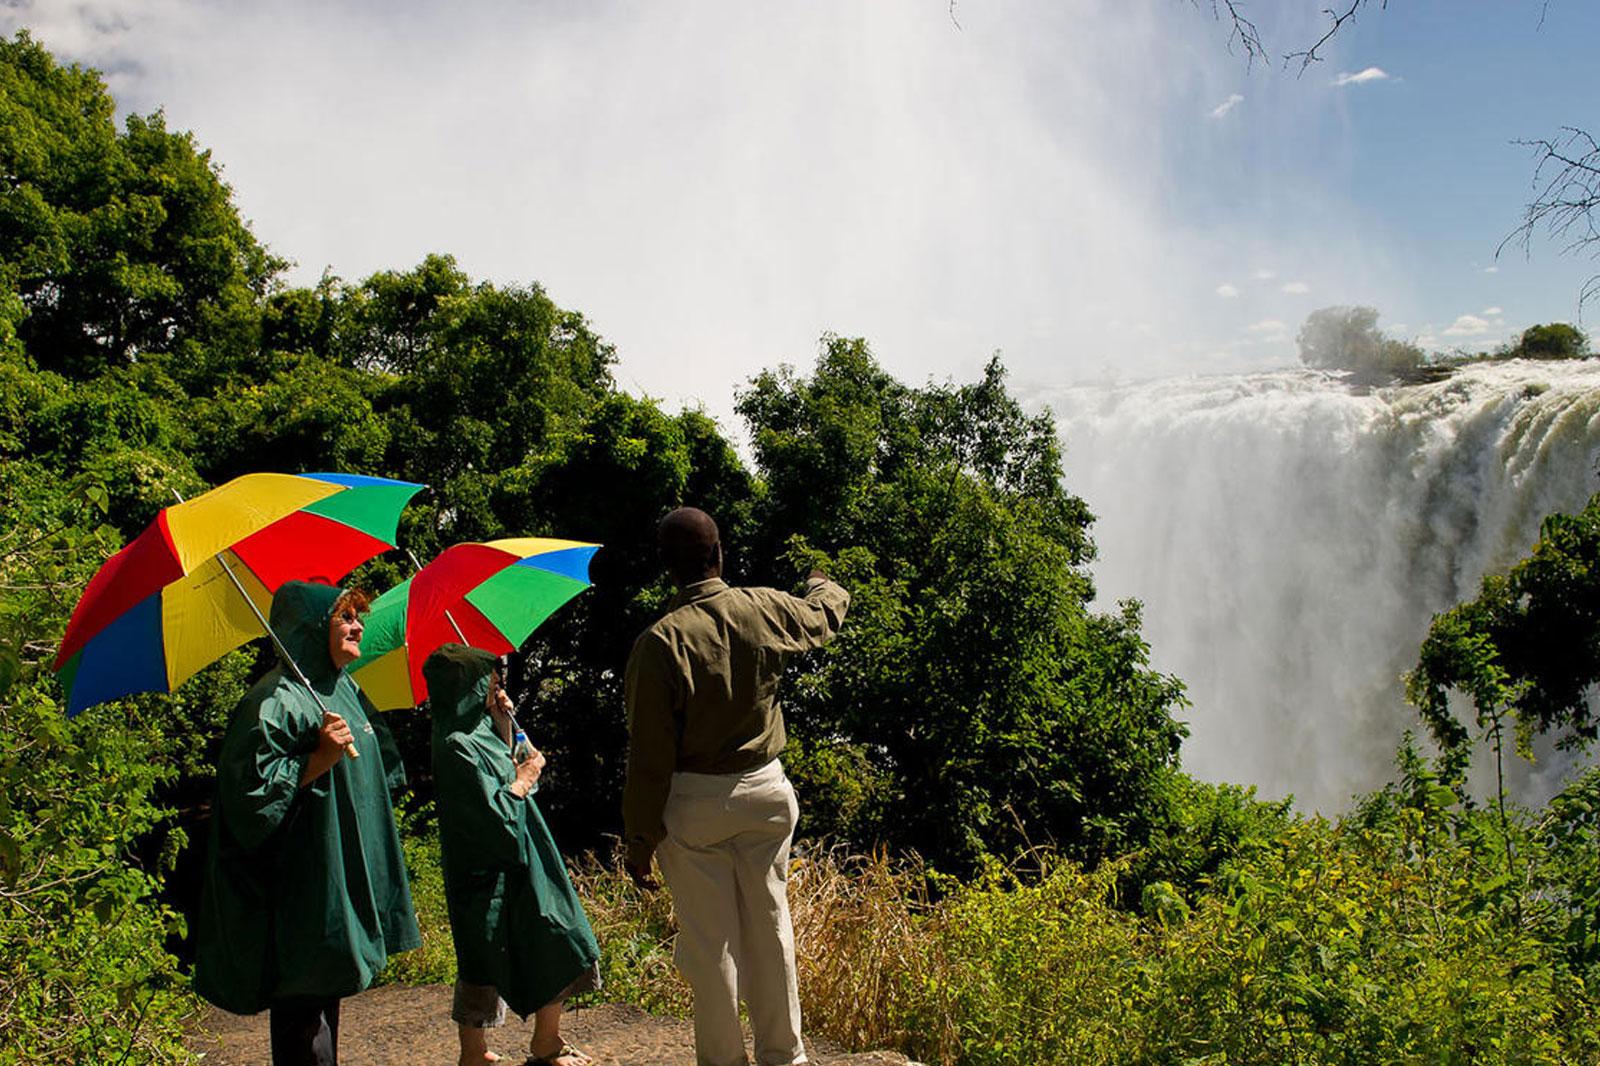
[[1348, 338], [1525, 653], [1557, 340], [120, 245], [469, 380], [1537, 625], [971, 677]]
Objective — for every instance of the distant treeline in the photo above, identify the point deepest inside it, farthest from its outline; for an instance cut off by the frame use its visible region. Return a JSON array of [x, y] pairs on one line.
[[1348, 339]]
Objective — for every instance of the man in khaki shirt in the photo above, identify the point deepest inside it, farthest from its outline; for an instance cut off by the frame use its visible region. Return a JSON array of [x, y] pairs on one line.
[[706, 792]]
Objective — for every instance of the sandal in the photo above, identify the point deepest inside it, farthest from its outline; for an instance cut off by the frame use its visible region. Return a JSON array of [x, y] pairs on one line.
[[566, 1051]]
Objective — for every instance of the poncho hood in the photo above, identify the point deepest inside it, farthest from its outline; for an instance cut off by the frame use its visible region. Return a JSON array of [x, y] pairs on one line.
[[458, 688], [300, 614]]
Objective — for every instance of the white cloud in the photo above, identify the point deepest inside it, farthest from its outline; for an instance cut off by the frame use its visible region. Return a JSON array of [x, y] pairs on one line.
[[1491, 270], [1264, 275], [1297, 288], [1267, 331], [1467, 326], [1227, 291], [1233, 101], [1362, 77], [1492, 311]]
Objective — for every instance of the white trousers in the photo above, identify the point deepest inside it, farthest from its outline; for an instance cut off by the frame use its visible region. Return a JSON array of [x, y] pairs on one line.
[[726, 859]]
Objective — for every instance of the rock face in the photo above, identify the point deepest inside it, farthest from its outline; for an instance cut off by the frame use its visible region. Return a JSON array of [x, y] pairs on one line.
[[396, 1025]]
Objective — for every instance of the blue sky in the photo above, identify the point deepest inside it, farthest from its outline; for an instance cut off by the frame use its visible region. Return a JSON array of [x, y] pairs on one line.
[[1423, 159], [1096, 188]]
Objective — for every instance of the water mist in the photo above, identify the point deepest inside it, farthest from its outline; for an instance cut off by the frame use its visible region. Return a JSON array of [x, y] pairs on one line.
[[1291, 537]]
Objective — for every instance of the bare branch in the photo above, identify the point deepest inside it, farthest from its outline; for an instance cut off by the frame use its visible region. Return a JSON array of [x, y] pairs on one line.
[[1566, 201], [1241, 31], [1310, 56]]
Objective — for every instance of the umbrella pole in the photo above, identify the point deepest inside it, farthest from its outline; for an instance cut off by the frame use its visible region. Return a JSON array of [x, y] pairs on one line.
[[283, 652]]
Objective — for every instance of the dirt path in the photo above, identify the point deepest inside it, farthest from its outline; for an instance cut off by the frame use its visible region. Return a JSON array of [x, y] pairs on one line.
[[394, 1024]]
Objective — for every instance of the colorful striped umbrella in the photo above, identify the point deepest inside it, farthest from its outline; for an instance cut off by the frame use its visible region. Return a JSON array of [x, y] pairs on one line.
[[490, 596], [170, 601]]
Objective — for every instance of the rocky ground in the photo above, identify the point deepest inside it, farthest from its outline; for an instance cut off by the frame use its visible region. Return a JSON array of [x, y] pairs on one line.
[[396, 1024]]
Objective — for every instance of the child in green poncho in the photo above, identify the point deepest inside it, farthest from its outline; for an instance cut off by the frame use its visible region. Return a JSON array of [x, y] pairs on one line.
[[522, 940]]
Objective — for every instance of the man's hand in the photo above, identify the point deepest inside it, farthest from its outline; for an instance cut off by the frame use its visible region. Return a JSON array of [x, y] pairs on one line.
[[528, 771], [640, 872], [333, 740]]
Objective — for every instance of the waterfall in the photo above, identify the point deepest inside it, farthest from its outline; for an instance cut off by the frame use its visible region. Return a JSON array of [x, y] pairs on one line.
[[1291, 537]]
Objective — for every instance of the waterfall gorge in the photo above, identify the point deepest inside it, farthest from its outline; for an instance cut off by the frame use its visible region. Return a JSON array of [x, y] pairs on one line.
[[1291, 537]]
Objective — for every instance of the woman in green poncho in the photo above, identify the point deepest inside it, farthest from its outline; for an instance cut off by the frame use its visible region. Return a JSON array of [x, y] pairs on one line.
[[305, 893], [521, 937]]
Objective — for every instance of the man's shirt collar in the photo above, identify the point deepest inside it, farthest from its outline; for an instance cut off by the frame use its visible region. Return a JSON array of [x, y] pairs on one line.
[[696, 592]]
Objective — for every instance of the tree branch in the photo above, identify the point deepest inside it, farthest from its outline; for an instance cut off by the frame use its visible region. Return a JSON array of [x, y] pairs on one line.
[[1310, 56], [1241, 31], [1566, 202]]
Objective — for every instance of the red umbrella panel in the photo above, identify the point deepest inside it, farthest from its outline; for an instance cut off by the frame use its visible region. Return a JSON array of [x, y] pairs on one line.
[[164, 606], [490, 596]]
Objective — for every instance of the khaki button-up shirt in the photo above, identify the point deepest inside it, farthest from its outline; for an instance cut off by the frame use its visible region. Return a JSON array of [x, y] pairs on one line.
[[702, 688]]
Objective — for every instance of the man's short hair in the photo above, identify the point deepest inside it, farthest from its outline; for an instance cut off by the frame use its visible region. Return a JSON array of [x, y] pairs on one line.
[[688, 538]]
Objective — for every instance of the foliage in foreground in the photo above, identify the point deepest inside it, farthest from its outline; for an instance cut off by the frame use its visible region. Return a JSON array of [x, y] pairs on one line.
[[85, 975], [1385, 937]]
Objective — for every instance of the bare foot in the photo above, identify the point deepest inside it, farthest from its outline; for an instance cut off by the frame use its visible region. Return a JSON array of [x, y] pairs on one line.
[[469, 1059]]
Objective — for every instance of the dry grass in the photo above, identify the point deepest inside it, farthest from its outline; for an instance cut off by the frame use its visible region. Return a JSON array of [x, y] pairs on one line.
[[861, 937], [636, 931]]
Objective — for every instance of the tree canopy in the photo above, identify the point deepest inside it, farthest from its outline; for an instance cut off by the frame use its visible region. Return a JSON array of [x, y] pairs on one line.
[[120, 243], [973, 690], [1557, 340], [1526, 651], [1348, 338]]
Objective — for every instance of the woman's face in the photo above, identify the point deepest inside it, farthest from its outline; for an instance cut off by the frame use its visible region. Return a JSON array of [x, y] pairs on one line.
[[344, 637]]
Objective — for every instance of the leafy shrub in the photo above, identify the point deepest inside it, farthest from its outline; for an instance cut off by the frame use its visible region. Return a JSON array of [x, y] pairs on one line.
[[635, 931], [84, 840], [1388, 937], [435, 961]]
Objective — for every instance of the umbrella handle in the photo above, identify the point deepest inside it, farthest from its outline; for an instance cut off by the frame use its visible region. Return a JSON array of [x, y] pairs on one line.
[[349, 749]]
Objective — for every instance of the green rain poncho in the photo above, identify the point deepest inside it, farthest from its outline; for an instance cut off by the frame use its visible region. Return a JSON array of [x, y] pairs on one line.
[[517, 922], [305, 889]]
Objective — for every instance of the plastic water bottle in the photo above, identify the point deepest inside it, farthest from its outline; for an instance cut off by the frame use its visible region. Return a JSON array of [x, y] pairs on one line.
[[521, 751]]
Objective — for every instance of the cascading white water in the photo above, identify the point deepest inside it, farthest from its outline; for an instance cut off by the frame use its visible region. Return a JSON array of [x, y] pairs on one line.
[[1291, 537]]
